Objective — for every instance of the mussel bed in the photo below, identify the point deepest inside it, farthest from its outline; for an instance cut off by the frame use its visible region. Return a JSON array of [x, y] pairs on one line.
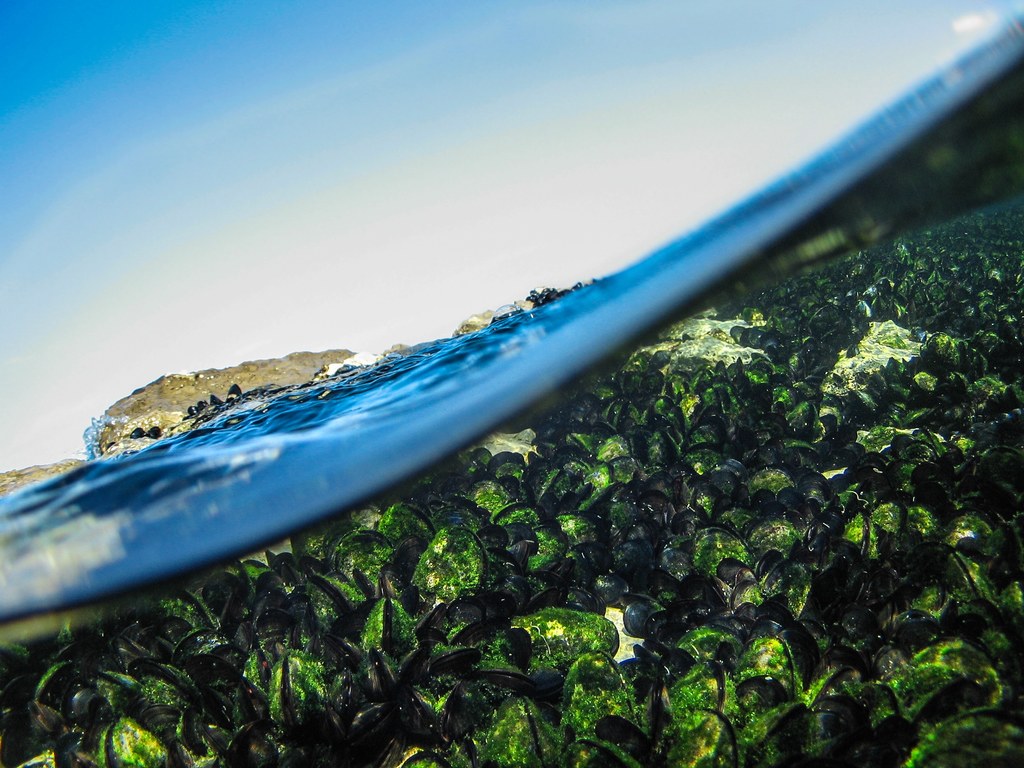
[[803, 548]]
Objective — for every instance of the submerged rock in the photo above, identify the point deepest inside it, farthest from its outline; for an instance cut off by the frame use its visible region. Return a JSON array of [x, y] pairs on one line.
[[702, 341], [883, 342]]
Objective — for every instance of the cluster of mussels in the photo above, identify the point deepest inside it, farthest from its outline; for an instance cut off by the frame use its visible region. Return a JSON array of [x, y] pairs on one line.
[[729, 564]]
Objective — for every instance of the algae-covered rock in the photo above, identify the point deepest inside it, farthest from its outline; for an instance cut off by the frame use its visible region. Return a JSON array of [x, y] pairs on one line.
[[970, 533], [983, 739], [883, 342], [455, 562], [390, 628], [129, 744], [768, 657], [702, 341], [775, 735], [399, 521], [879, 438], [791, 582], [714, 545], [613, 448], [771, 479], [777, 533], [364, 551], [298, 688], [594, 688], [561, 635], [702, 739], [704, 686], [330, 596], [551, 547], [491, 496], [520, 737], [943, 354], [707, 643], [934, 668]]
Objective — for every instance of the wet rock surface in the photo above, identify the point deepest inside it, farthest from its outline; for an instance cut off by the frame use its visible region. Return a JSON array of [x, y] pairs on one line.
[[166, 406], [804, 572], [19, 478]]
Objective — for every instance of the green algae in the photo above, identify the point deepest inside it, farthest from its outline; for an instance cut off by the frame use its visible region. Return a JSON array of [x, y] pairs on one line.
[[302, 700], [362, 550], [777, 534], [705, 686], [491, 496], [453, 563], [591, 753], [933, 668], [712, 546], [702, 739], [613, 448], [399, 521], [769, 479], [390, 628], [129, 744], [520, 737], [561, 635], [768, 657], [989, 739], [594, 688]]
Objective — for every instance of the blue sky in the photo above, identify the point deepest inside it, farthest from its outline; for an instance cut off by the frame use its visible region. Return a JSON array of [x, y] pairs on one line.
[[191, 184]]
